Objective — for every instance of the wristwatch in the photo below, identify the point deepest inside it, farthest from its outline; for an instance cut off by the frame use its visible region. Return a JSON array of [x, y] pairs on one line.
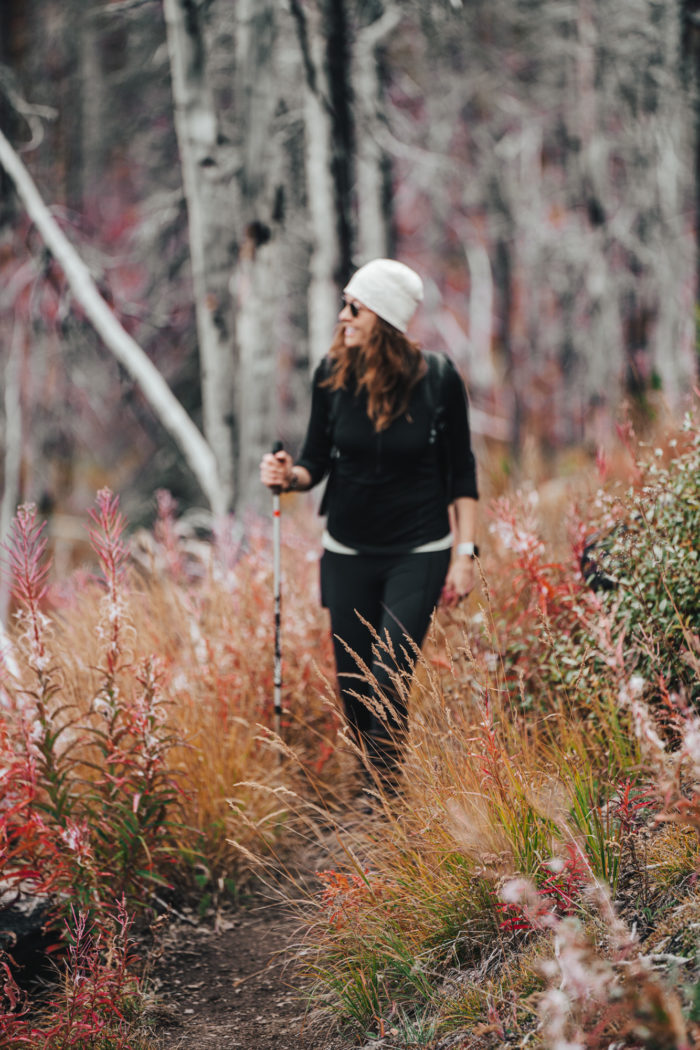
[[293, 482], [470, 549]]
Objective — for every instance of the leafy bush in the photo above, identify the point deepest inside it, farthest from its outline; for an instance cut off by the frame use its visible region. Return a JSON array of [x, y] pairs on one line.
[[654, 563], [559, 637]]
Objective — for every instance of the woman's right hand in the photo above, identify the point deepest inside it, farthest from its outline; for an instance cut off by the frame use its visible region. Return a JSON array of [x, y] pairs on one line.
[[275, 469]]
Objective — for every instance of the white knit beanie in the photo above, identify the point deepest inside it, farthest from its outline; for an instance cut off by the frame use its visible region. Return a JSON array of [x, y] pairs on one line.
[[390, 289]]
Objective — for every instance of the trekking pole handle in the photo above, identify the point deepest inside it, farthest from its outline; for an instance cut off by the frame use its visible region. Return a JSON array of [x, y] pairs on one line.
[[277, 447]]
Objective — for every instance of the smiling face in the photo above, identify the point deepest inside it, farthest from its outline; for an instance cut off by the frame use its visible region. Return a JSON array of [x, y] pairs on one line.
[[358, 323]]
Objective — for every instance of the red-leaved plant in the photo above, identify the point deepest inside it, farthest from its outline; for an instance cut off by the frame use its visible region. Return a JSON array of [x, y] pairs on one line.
[[91, 787], [88, 799], [96, 998]]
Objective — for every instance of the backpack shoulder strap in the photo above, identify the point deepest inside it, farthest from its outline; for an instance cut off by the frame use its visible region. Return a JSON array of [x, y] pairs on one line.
[[332, 395], [438, 364]]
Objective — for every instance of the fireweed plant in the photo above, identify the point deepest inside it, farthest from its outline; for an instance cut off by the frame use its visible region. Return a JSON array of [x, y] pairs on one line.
[[84, 791], [96, 1003], [208, 610], [644, 566], [146, 697], [95, 784], [135, 706], [535, 881]]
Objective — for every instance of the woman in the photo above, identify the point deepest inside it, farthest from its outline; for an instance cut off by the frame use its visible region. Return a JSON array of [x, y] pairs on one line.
[[390, 426]]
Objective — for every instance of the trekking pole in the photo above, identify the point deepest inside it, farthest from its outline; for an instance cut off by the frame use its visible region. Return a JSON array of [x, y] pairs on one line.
[[277, 585]]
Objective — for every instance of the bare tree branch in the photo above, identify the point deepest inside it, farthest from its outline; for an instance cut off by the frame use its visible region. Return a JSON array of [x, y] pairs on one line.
[[166, 406], [32, 113]]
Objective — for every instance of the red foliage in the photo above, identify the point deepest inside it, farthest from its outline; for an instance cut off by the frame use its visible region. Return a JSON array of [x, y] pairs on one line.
[[343, 894], [97, 983], [559, 892], [25, 550]]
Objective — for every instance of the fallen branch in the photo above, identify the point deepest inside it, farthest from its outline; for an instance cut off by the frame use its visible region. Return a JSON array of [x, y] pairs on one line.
[[168, 409]]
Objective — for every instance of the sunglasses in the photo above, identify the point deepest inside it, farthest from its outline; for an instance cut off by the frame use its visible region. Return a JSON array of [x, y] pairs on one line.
[[354, 308]]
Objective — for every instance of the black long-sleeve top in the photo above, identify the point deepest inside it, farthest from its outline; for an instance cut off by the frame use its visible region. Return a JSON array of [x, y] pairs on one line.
[[387, 490]]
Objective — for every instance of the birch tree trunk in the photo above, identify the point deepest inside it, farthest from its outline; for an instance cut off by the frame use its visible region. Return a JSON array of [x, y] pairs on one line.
[[481, 310], [258, 279], [322, 297], [649, 334], [257, 282], [168, 409], [671, 142], [690, 39], [324, 262], [373, 221], [207, 207]]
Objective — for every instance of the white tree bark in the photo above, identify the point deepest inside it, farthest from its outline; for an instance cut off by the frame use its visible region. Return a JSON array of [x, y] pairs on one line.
[[168, 409], [257, 282], [322, 295], [481, 370], [648, 336], [372, 218], [673, 346], [259, 276], [197, 132]]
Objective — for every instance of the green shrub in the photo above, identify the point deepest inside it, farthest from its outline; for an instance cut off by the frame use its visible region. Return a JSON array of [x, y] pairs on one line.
[[655, 563]]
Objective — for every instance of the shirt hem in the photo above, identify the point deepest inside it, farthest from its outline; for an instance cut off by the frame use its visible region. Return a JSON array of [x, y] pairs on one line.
[[329, 543]]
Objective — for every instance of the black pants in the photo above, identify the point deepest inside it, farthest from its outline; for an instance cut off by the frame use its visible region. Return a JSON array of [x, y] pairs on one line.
[[396, 594]]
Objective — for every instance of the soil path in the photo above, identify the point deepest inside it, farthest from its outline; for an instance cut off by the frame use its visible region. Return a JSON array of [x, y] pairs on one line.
[[237, 983], [235, 986]]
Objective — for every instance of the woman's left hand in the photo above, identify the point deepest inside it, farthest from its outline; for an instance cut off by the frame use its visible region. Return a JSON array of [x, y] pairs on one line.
[[460, 581]]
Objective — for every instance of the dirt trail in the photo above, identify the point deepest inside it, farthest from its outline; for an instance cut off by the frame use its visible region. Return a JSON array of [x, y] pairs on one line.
[[235, 986], [237, 983]]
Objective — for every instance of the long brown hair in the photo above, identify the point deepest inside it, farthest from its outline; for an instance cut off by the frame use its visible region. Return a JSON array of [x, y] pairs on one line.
[[387, 368]]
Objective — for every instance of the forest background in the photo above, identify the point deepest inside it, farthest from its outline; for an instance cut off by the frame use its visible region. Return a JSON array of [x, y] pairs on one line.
[[221, 168]]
